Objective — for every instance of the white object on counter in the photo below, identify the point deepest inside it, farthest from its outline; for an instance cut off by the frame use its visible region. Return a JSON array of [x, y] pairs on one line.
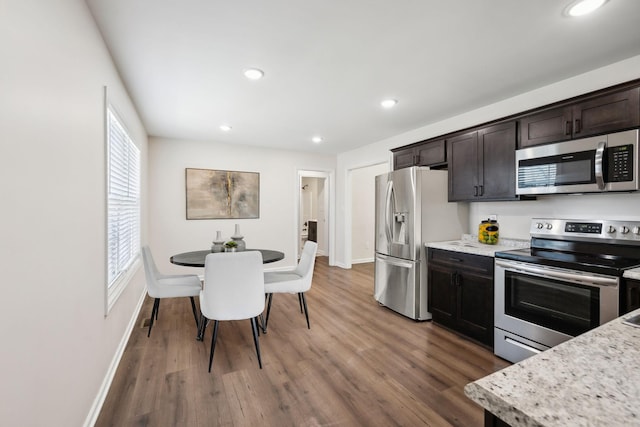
[[634, 273]]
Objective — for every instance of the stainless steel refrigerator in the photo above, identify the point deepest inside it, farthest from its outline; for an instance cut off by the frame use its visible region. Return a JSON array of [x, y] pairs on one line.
[[411, 209]]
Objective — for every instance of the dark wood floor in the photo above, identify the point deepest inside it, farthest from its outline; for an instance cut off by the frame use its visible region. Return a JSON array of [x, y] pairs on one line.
[[360, 364]]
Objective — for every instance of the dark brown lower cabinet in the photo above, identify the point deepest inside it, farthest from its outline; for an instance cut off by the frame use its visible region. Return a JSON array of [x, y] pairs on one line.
[[460, 289], [631, 296], [491, 420]]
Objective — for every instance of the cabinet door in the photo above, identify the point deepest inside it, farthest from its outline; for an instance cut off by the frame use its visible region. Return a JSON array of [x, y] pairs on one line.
[[632, 296], [475, 306], [545, 127], [431, 153], [497, 158], [403, 159], [607, 113], [441, 294], [463, 167]]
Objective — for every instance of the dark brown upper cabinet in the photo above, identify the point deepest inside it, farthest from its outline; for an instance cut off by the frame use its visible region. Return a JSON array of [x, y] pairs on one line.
[[481, 164], [427, 153], [598, 115]]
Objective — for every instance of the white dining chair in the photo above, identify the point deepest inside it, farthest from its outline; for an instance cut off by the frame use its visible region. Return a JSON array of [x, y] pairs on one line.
[[294, 281], [233, 290], [161, 286]]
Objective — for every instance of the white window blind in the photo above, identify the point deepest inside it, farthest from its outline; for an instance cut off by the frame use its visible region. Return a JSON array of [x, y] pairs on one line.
[[123, 205]]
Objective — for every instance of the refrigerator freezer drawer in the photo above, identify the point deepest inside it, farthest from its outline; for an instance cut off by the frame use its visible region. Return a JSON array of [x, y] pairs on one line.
[[397, 286]]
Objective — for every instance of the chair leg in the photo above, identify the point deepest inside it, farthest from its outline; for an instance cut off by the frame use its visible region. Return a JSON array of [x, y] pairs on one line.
[[254, 328], [266, 321], [261, 324], [300, 301], [306, 311], [154, 314], [213, 342], [195, 315], [201, 327]]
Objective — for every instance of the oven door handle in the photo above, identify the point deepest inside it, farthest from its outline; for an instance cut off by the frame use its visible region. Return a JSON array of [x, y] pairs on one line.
[[552, 273]]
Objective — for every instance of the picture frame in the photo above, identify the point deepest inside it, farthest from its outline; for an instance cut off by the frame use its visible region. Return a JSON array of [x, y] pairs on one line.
[[222, 194]]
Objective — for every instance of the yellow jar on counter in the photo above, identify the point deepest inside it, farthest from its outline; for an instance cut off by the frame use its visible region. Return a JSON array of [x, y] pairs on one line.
[[488, 232]]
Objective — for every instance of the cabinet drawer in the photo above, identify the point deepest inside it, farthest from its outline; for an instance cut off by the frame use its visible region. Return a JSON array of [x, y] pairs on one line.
[[461, 261]]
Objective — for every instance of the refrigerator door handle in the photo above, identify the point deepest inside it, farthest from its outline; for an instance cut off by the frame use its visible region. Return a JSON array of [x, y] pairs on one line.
[[388, 212], [396, 262]]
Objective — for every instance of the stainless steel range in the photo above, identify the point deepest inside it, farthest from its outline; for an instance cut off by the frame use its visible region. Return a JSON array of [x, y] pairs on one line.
[[568, 282]]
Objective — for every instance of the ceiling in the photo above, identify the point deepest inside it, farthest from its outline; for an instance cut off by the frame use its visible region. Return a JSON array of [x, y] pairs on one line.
[[329, 63]]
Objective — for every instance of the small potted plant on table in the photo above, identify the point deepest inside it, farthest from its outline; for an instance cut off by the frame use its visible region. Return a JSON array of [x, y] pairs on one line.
[[230, 246]]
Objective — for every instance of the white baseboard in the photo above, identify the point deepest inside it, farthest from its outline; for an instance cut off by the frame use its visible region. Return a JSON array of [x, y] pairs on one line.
[[92, 417]]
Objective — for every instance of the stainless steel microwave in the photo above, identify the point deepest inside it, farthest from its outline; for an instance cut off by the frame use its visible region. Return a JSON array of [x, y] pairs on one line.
[[588, 165]]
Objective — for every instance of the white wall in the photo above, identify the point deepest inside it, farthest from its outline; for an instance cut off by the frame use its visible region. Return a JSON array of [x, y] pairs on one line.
[[363, 212], [277, 228], [515, 217], [57, 345], [515, 213]]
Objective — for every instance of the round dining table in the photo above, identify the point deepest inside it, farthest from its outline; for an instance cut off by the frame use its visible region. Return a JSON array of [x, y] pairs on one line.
[[196, 258]]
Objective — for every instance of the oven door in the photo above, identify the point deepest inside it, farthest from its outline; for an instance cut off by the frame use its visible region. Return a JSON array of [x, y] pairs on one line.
[[549, 305]]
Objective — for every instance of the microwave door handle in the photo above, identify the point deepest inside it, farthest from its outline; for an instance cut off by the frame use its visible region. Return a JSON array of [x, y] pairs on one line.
[[599, 164]]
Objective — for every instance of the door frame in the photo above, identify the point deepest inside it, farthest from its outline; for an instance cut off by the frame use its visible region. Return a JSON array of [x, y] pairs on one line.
[[329, 208], [348, 211]]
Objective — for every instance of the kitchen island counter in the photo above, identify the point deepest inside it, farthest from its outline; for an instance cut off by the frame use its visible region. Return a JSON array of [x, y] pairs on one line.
[[590, 380]]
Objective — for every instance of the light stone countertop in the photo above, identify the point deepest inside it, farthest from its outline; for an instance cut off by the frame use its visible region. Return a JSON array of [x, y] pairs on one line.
[[469, 244], [591, 380], [632, 274]]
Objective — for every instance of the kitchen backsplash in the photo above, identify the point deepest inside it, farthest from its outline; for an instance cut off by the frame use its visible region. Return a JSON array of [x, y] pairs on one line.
[[515, 217]]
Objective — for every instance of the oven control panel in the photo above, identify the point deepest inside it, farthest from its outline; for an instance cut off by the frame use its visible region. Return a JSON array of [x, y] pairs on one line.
[[588, 230]]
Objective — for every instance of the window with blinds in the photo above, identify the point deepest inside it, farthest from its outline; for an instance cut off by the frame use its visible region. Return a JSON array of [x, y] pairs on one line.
[[123, 204]]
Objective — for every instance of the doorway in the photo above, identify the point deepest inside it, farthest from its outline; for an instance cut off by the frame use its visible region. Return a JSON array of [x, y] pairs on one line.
[[313, 219], [361, 243]]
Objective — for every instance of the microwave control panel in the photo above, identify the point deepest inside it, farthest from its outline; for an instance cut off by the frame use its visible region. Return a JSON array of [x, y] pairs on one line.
[[620, 163]]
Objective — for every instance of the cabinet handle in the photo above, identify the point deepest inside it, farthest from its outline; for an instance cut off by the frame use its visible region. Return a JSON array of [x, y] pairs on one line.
[[567, 128], [482, 190], [416, 159], [475, 187], [577, 127], [455, 259]]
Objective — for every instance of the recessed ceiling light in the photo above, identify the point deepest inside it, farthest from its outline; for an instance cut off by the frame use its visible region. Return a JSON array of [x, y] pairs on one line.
[[253, 74], [584, 7], [317, 139], [389, 103], [225, 128]]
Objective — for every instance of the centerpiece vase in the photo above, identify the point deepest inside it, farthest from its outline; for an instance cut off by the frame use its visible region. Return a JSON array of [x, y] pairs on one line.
[[218, 243], [237, 237]]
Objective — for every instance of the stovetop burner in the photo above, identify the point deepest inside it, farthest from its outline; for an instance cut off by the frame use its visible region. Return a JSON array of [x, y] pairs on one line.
[[604, 247], [614, 266]]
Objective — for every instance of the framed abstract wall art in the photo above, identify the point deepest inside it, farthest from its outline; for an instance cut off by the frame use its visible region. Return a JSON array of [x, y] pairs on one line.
[[220, 194]]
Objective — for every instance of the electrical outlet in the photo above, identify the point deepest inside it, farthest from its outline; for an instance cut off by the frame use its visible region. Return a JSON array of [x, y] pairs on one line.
[[493, 217]]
